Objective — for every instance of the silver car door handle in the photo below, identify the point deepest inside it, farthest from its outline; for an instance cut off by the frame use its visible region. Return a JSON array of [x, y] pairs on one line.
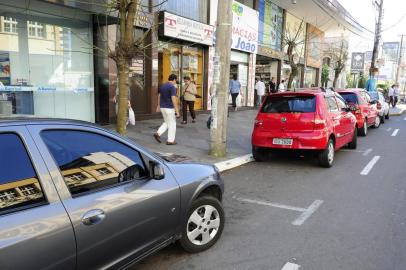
[[92, 217]]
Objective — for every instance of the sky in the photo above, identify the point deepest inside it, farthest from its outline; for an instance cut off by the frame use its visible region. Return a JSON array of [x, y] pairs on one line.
[[394, 21]]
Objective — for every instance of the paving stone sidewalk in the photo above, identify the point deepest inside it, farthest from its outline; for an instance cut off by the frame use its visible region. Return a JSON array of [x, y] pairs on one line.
[[398, 110], [194, 138]]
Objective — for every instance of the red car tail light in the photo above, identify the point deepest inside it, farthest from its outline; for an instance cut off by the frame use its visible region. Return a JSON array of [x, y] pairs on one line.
[[378, 105], [258, 123], [319, 123]]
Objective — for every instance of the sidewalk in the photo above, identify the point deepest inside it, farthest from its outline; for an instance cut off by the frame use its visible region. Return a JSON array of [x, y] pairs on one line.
[[194, 138], [398, 110]]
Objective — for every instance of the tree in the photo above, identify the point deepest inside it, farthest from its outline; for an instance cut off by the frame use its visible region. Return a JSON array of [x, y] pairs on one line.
[[325, 74], [336, 49], [292, 39]]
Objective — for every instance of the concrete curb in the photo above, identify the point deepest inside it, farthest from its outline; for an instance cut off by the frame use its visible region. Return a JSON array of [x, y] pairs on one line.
[[233, 163], [397, 114]]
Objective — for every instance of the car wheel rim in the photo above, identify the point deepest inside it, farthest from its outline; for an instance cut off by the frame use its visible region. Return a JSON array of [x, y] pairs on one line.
[[365, 127], [330, 154], [377, 121], [203, 225]]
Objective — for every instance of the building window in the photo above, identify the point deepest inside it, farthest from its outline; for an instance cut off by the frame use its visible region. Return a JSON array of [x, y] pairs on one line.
[[28, 190], [36, 29], [104, 171], [7, 195], [9, 25], [76, 177]]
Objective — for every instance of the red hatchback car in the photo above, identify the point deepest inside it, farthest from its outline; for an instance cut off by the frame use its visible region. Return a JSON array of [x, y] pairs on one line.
[[305, 120], [363, 108]]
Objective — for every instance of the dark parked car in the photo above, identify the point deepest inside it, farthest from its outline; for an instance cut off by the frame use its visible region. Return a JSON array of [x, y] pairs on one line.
[[76, 196]]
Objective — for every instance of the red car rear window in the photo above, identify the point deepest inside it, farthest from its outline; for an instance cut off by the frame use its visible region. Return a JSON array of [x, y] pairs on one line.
[[350, 98], [287, 104]]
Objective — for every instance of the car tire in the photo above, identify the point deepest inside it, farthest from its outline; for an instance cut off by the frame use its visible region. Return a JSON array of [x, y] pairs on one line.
[[258, 153], [353, 143], [387, 116], [377, 121], [382, 119], [326, 157], [363, 131], [207, 229]]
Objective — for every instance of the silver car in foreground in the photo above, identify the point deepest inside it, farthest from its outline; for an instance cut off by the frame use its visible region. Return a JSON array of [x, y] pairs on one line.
[[76, 196]]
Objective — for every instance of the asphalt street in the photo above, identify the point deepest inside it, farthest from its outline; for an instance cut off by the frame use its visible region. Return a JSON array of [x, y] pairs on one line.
[[287, 213]]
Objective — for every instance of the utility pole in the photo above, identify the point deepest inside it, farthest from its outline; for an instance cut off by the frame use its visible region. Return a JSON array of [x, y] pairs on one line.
[[400, 59], [219, 90], [377, 37]]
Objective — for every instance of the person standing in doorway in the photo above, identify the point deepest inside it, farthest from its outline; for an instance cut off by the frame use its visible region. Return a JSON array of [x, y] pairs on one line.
[[260, 87], [189, 97], [272, 85], [168, 106], [235, 89], [282, 87]]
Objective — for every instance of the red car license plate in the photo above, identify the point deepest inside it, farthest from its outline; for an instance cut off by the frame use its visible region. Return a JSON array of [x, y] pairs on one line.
[[278, 141]]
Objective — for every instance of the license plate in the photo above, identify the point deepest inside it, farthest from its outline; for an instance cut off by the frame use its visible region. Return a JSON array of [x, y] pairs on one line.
[[282, 141]]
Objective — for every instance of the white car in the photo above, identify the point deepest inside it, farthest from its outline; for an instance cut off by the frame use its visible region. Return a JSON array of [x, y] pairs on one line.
[[381, 105]]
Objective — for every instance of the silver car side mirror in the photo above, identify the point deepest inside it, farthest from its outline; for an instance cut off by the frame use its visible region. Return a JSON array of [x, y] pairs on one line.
[[157, 171]]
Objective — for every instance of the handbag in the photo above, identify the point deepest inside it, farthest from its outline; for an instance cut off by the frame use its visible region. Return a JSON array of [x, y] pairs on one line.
[[182, 97]]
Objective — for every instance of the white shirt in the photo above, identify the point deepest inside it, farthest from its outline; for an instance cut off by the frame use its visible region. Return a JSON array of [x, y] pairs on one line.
[[281, 87], [391, 92], [260, 87], [396, 91]]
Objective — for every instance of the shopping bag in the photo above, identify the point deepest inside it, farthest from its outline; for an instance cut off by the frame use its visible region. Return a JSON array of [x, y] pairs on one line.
[[131, 116], [239, 101]]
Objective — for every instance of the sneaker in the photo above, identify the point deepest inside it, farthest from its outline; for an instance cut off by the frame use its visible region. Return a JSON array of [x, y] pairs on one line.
[[193, 121], [183, 122], [157, 137], [171, 143]]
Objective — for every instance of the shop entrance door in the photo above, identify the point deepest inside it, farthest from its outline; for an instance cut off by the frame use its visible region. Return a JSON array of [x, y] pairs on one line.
[[183, 61], [241, 70]]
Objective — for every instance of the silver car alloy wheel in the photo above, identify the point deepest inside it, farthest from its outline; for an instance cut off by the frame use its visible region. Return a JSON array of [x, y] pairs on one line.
[[377, 121], [365, 127], [330, 154], [203, 225]]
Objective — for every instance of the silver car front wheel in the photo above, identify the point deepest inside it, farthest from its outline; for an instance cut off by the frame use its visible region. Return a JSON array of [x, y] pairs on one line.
[[204, 225]]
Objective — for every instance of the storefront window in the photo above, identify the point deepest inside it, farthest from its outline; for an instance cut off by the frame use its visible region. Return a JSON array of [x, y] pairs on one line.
[[310, 77], [192, 9], [46, 66]]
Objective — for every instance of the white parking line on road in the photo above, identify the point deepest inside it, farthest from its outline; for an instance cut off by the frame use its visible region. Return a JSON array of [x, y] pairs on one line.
[[290, 266], [366, 153], [370, 165], [277, 205], [395, 132], [306, 214], [389, 129], [348, 150]]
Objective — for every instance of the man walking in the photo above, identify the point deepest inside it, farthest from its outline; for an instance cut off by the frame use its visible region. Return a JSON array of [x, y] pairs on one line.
[[272, 86], [235, 89], [168, 105], [391, 94], [396, 94], [260, 87]]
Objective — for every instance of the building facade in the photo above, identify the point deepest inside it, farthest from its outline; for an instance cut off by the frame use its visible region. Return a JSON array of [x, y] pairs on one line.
[[54, 63]]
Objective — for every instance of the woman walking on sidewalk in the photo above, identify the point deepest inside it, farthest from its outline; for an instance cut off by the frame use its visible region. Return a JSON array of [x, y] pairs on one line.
[[188, 99], [167, 104]]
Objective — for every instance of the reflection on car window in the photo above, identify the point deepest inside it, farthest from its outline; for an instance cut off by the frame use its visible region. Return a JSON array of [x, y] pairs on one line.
[[289, 104], [90, 161], [19, 185], [332, 104], [341, 102]]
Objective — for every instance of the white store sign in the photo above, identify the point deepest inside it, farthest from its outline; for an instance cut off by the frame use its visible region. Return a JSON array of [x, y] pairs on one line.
[[186, 29], [245, 28]]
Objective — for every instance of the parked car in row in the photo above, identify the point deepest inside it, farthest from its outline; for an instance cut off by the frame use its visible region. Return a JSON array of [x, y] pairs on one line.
[[311, 120], [363, 107], [381, 105], [76, 196]]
